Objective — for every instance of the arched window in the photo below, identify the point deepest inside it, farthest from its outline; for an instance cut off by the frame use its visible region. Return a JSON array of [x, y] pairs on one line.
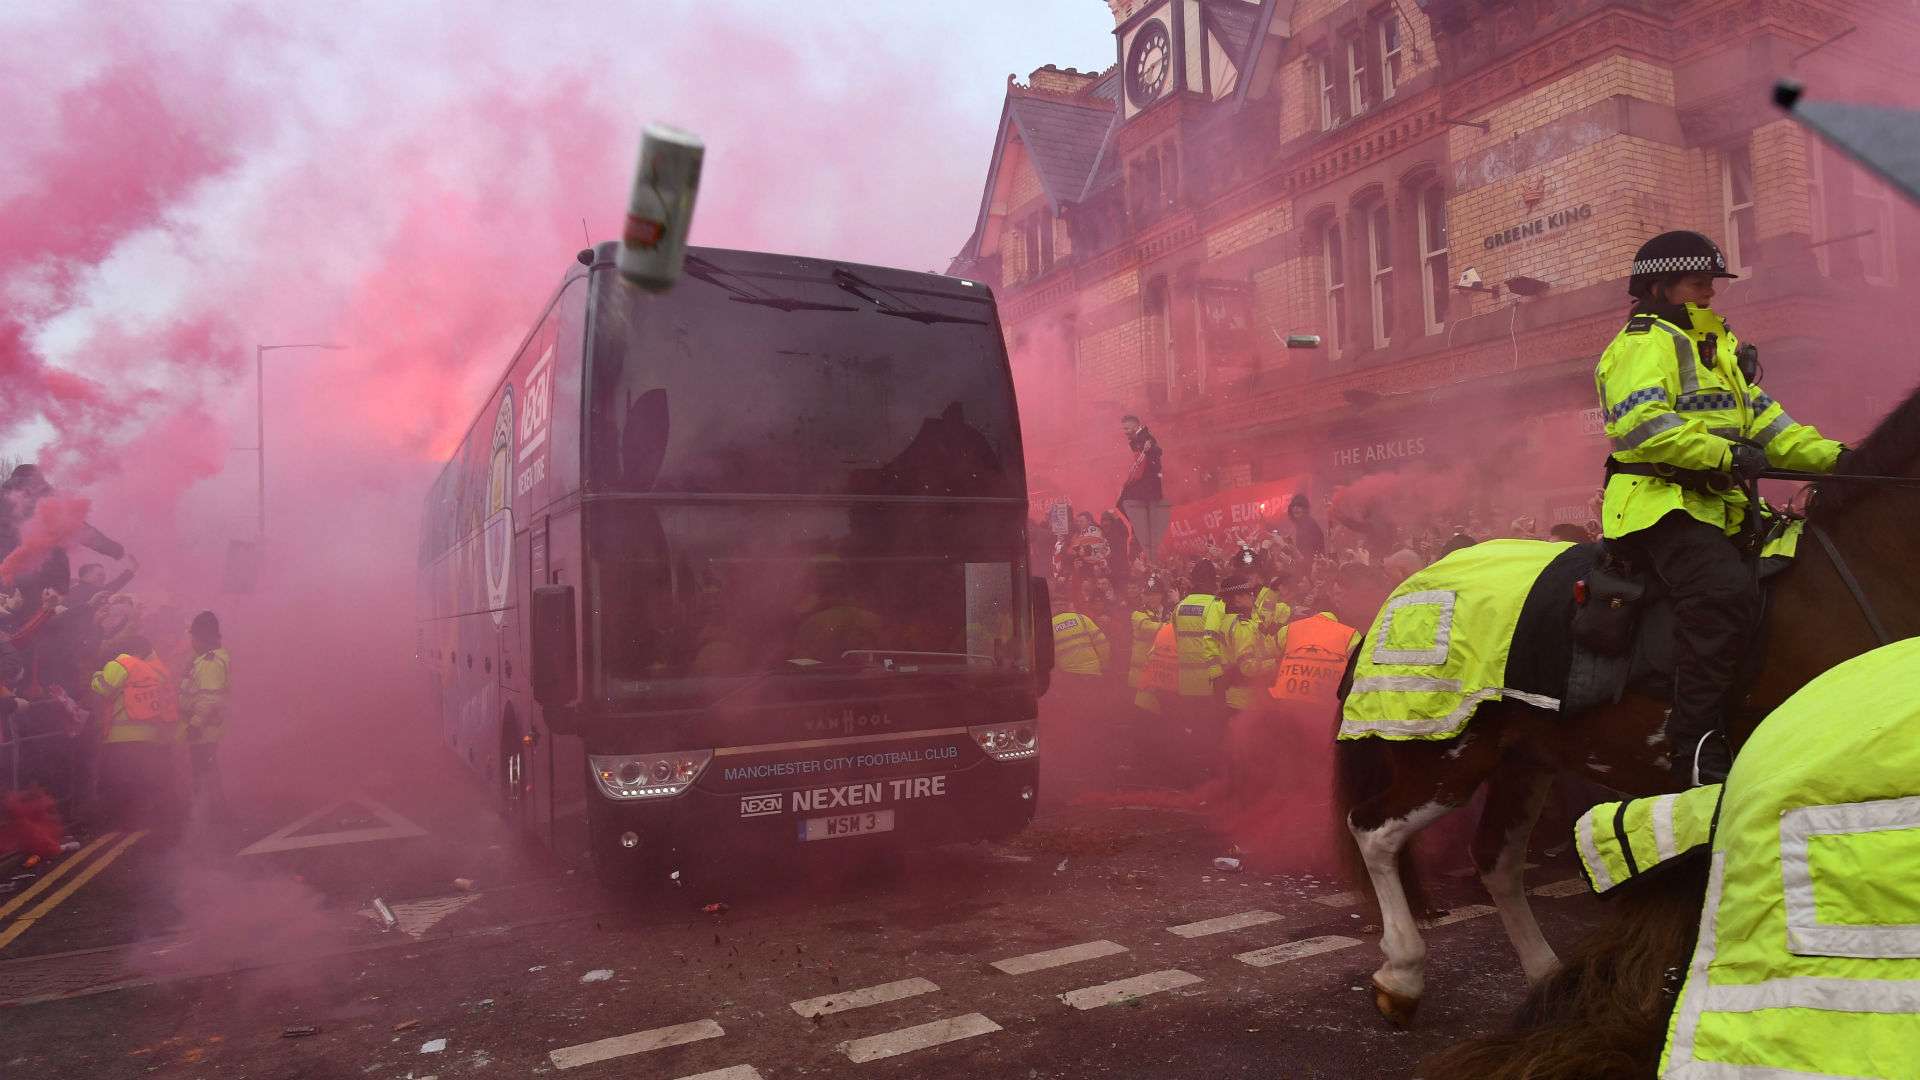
[[1380, 273], [1335, 281], [1434, 284]]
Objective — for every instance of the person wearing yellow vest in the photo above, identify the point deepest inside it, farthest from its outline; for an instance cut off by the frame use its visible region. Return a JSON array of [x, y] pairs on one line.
[[1198, 635], [1796, 875], [1313, 657], [1688, 421], [1080, 647], [143, 710], [203, 710], [1143, 626], [1246, 648]]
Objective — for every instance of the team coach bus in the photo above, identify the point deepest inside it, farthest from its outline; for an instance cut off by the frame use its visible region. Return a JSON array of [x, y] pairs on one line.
[[742, 564]]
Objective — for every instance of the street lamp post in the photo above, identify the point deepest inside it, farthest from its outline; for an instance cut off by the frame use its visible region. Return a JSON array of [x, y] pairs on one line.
[[260, 415]]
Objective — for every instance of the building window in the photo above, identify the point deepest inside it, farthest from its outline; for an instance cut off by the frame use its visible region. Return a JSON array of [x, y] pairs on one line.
[[1356, 77], [1435, 286], [1143, 185], [1336, 286], [1737, 225], [1849, 206], [1324, 70], [1031, 236], [1873, 213], [1039, 232], [1389, 56], [1380, 274]]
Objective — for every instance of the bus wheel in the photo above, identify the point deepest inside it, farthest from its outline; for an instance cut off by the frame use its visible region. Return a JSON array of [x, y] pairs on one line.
[[513, 772]]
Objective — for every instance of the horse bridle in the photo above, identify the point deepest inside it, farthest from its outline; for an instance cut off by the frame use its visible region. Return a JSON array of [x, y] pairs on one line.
[[1839, 561]]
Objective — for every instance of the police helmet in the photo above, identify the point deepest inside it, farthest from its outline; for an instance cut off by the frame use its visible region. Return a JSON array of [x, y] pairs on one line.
[[1237, 583], [1678, 252]]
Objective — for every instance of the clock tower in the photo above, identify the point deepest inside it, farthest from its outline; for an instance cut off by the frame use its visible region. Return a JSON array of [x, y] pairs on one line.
[[1159, 50]]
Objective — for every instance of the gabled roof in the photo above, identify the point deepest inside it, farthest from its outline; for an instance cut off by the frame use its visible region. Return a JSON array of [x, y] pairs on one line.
[[1063, 133], [1063, 136], [1234, 22]]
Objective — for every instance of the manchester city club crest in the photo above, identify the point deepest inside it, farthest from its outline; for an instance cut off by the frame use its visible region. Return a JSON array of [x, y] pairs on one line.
[[499, 525]]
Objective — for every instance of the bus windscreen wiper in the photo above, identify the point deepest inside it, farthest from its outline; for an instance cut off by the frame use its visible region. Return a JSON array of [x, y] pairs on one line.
[[896, 307], [709, 273]]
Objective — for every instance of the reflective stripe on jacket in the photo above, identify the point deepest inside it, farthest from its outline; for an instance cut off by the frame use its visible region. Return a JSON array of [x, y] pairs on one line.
[[1675, 395], [1080, 647], [1808, 957], [1314, 657], [1618, 841], [1199, 642]]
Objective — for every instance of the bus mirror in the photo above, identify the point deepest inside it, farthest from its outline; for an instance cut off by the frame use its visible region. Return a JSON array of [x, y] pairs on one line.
[[1042, 601], [556, 655]]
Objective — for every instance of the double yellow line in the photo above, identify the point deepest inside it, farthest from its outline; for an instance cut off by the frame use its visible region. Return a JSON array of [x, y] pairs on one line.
[[20, 925]]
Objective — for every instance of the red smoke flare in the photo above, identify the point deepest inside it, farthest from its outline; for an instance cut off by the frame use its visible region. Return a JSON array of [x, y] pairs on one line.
[[56, 520], [29, 824]]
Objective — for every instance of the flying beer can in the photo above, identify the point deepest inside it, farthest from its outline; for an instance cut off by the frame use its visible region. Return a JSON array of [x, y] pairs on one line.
[[653, 246]]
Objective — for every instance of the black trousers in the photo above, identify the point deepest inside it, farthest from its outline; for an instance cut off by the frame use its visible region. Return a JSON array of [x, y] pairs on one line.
[[1716, 606]]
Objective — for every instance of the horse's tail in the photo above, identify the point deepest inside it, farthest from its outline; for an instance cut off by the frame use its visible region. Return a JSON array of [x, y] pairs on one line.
[[1363, 770], [1604, 1013]]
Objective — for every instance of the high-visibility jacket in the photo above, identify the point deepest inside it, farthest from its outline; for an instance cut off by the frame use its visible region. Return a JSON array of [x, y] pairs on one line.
[[1249, 662], [1162, 673], [1313, 656], [1270, 609], [144, 700], [1673, 394], [1080, 647], [1145, 629], [1199, 643], [828, 634], [1808, 953], [203, 698]]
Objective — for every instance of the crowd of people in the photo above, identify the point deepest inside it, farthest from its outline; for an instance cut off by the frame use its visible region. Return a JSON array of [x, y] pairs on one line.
[[107, 696]]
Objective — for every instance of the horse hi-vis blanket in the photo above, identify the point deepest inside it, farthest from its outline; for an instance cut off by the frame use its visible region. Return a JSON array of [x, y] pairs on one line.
[[1439, 646]]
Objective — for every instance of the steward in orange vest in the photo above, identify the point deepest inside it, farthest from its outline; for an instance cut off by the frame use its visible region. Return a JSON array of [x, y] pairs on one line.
[[1313, 656], [143, 695]]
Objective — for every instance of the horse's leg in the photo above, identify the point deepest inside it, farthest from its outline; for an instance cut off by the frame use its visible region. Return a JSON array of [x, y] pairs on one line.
[[1382, 827], [1515, 796]]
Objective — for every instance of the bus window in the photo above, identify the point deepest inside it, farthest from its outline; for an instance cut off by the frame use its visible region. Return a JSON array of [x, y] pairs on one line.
[[569, 317]]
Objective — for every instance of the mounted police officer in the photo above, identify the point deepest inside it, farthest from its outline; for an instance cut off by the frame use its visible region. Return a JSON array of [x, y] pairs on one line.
[[1687, 423]]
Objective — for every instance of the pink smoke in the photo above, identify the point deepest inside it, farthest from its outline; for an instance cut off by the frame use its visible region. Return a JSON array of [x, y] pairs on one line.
[[56, 520]]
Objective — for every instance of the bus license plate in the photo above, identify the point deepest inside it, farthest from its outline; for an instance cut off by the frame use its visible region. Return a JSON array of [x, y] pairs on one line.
[[839, 825]]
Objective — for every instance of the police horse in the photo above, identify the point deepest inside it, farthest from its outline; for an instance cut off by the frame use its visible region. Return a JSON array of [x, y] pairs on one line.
[[1850, 591]]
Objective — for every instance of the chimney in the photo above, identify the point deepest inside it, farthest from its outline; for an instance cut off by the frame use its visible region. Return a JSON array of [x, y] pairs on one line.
[[1056, 80], [1124, 9]]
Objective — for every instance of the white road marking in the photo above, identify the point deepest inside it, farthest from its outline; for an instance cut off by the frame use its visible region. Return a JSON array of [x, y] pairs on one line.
[[1295, 950], [1223, 924], [416, 917], [396, 827], [1471, 911], [568, 1057], [1340, 899], [731, 1072], [1153, 982], [919, 1037], [1572, 886], [863, 997], [1052, 958]]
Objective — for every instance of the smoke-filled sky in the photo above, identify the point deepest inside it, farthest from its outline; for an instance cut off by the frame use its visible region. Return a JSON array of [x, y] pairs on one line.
[[185, 180]]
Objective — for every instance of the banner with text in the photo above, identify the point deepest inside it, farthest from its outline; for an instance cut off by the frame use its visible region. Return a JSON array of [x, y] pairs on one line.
[[1243, 513]]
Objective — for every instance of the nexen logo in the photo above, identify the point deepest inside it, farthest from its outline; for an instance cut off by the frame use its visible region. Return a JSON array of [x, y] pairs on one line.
[[759, 805], [848, 720]]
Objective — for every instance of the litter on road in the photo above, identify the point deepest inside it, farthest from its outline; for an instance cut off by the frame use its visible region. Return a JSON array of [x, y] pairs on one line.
[[597, 975], [433, 1046]]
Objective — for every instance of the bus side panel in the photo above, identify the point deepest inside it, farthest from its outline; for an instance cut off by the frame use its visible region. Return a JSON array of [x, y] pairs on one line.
[[566, 758]]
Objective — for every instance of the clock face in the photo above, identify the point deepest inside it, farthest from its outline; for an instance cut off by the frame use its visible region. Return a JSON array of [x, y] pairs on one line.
[[1149, 59]]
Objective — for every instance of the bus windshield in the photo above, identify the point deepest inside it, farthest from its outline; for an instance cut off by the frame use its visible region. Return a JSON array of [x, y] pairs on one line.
[[690, 601], [771, 374]]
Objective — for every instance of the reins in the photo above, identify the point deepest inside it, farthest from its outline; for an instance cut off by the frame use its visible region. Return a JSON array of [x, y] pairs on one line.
[[1840, 566]]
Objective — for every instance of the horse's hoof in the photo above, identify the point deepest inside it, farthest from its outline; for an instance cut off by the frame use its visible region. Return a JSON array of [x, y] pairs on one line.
[[1396, 1008]]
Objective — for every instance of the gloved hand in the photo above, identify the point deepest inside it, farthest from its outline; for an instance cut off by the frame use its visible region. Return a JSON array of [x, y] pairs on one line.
[[1749, 461], [1843, 464]]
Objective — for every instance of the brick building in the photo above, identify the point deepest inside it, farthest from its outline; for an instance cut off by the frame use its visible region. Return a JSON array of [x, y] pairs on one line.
[[1449, 192]]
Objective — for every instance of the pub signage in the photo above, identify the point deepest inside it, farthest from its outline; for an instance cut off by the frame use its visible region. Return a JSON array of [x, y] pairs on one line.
[[1539, 226]]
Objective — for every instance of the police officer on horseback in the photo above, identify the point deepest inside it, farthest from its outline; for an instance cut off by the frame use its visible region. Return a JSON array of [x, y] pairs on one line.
[[1689, 424]]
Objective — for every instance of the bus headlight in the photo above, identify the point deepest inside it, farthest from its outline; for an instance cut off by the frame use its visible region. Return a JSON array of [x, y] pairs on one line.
[[1007, 742], [625, 777]]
